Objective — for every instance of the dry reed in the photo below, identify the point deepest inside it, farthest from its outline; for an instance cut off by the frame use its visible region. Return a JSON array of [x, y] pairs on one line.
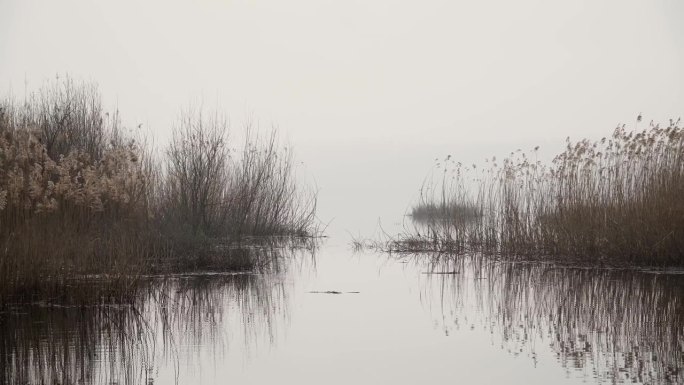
[[615, 200], [78, 197]]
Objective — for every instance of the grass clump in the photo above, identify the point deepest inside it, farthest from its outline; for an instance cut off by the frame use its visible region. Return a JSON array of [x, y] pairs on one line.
[[431, 211], [78, 197], [615, 200]]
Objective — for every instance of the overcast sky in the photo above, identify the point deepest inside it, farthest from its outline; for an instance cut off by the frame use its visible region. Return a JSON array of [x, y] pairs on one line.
[[355, 84]]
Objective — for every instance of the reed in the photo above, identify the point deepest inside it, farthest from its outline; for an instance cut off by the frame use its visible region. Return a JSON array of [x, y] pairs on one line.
[[74, 196], [78, 197], [615, 200], [427, 211]]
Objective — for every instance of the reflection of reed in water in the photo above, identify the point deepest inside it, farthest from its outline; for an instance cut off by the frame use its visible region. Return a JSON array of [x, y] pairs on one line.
[[127, 344], [64, 345], [238, 311], [613, 325]]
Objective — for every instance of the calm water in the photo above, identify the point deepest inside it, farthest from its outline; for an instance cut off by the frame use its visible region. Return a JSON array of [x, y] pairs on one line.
[[394, 321]]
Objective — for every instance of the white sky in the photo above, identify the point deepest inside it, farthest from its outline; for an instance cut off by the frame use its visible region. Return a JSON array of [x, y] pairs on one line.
[[353, 84]]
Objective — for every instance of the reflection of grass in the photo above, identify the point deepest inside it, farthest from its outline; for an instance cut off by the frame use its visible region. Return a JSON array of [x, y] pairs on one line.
[[614, 325], [79, 196], [617, 200], [127, 344]]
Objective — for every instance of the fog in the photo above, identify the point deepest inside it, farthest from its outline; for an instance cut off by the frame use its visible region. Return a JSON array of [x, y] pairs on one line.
[[368, 92]]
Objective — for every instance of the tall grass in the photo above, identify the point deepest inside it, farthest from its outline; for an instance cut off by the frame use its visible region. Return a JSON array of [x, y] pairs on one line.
[[615, 200], [430, 211], [79, 197], [74, 194]]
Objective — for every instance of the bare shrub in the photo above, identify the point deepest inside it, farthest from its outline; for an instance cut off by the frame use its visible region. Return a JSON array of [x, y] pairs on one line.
[[197, 175], [264, 197], [213, 191]]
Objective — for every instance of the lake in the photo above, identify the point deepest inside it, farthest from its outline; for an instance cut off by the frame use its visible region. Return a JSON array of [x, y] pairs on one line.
[[335, 316]]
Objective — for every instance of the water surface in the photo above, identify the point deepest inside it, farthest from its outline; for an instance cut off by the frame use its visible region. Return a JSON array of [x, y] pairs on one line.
[[335, 316]]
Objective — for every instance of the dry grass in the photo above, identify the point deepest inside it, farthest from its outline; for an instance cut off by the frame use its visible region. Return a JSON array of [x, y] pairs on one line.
[[77, 197], [431, 211], [616, 200]]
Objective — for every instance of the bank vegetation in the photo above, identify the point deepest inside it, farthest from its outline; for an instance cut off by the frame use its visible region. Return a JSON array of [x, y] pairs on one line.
[[616, 200], [80, 196]]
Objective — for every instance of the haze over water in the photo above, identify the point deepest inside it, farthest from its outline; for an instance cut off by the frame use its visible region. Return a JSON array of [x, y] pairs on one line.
[[365, 318], [369, 95]]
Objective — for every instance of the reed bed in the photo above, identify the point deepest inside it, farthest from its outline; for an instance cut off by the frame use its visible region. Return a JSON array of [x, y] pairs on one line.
[[81, 196], [430, 211], [615, 200]]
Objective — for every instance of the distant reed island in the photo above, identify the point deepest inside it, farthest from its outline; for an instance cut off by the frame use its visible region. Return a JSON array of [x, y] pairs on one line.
[[617, 201], [79, 197]]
